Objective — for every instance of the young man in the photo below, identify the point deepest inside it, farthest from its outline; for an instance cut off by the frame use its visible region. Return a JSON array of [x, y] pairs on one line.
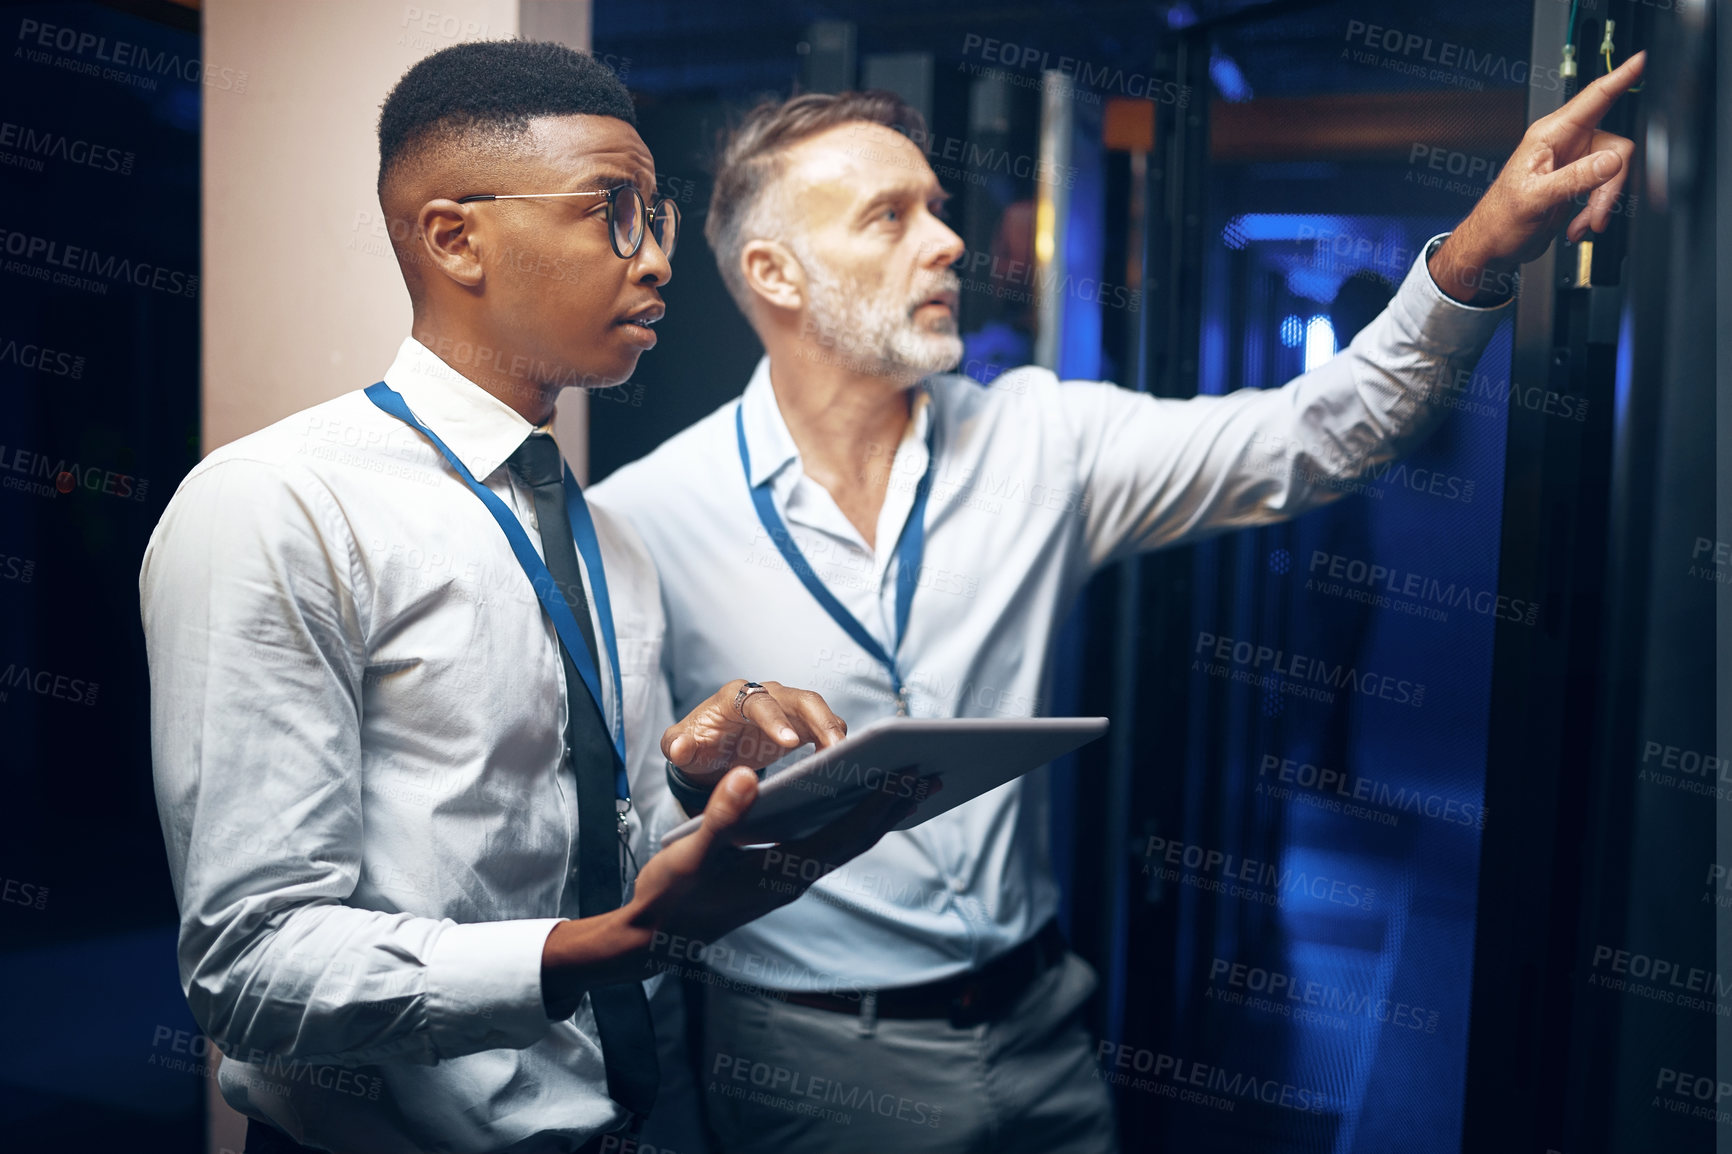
[[853, 470], [405, 740]]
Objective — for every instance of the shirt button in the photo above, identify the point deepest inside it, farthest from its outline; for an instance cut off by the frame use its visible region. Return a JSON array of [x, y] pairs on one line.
[[957, 886]]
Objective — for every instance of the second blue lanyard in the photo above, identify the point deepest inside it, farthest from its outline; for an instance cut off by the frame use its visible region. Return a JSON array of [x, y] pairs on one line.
[[910, 549]]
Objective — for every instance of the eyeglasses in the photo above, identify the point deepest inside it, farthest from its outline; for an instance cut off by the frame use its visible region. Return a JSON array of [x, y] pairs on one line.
[[626, 216]]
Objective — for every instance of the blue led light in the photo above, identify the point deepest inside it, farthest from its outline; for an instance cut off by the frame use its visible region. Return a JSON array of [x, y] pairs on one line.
[[1319, 341]]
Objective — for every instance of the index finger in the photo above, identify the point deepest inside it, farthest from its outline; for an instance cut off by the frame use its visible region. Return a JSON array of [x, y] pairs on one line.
[[1593, 102], [763, 711]]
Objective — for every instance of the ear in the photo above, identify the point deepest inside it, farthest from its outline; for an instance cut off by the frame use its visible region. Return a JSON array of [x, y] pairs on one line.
[[449, 239], [774, 274]]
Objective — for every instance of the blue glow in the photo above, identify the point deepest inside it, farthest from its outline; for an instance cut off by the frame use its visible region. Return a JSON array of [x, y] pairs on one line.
[[1287, 226], [1292, 332], [1313, 284], [1319, 342], [1231, 82]]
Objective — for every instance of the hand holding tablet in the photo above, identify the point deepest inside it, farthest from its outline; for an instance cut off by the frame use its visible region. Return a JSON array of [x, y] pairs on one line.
[[969, 755]]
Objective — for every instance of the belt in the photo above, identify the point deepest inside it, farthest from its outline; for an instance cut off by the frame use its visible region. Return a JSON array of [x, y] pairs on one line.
[[266, 1139], [967, 999]]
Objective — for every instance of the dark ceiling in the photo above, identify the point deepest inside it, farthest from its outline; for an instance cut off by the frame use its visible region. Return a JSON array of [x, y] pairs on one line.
[[737, 51]]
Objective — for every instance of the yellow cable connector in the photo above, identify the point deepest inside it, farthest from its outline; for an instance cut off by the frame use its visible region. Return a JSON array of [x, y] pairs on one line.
[[1607, 48]]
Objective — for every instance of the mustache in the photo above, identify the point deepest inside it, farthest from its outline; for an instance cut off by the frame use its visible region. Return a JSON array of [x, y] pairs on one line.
[[946, 281]]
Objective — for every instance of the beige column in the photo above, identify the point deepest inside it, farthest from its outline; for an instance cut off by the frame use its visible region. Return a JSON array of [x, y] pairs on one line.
[[302, 298]]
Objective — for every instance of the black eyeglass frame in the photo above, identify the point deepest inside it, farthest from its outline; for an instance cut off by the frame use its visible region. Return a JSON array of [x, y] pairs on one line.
[[663, 208]]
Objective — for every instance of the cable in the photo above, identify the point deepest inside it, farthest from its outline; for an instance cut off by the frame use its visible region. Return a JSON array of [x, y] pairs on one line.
[[1606, 49], [1568, 70]]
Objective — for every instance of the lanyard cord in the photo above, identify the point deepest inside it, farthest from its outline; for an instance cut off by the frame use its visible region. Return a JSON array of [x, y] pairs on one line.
[[546, 589], [910, 549]]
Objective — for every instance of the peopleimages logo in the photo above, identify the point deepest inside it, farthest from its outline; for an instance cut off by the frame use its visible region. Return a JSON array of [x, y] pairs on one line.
[[1339, 784], [1460, 65], [1676, 1088], [15, 892], [1711, 560], [799, 1092], [1656, 979], [1022, 282], [60, 476], [1298, 670], [1474, 391], [35, 146], [1226, 873], [1258, 988], [1339, 575], [186, 1052], [76, 259], [19, 569], [122, 55], [1197, 1077], [1080, 73], [41, 358], [45, 683]]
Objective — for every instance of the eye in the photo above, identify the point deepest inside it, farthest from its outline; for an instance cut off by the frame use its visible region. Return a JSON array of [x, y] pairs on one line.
[[891, 215]]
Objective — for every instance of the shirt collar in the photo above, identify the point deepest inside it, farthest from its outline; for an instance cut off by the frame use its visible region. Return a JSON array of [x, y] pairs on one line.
[[767, 438], [480, 429]]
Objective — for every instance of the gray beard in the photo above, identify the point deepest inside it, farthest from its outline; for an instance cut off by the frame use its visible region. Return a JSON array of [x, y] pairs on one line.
[[875, 336]]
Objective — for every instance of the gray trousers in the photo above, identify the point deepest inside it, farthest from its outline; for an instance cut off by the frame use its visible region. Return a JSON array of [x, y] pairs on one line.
[[779, 1078]]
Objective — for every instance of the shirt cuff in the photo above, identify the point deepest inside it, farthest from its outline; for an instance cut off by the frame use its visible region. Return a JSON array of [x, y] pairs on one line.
[[484, 986], [1436, 322], [1425, 252]]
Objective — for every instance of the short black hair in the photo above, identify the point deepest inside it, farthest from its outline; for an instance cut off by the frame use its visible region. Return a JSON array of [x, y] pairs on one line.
[[493, 88]]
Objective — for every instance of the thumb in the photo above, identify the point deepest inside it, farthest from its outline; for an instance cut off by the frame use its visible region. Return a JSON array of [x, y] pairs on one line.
[[1582, 177], [729, 803]]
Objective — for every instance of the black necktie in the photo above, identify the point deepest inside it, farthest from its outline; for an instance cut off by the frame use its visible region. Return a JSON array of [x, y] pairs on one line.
[[621, 1012]]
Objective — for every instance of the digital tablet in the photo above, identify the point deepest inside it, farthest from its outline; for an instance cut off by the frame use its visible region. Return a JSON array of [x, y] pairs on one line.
[[971, 755]]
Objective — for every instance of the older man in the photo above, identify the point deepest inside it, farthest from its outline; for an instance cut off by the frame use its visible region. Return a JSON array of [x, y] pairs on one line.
[[910, 542]]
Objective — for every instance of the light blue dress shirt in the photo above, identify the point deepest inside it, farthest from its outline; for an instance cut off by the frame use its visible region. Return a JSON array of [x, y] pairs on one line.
[[1037, 484]]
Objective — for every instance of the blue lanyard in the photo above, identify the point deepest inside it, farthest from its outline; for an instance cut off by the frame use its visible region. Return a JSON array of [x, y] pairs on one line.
[[546, 589], [910, 548]]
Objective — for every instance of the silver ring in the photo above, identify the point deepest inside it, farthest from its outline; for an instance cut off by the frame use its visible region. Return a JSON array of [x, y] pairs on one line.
[[746, 691]]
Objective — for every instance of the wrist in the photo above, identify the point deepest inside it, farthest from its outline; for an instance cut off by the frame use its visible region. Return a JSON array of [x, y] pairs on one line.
[[581, 953], [1469, 273]]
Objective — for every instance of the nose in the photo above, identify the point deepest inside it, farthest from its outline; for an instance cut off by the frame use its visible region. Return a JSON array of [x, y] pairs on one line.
[[943, 248], [650, 265]]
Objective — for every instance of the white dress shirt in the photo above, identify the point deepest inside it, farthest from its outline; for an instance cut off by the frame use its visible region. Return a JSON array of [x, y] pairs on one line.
[[357, 723], [1037, 484]]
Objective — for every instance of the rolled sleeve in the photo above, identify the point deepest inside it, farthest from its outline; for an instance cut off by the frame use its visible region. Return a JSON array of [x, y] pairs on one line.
[[484, 985]]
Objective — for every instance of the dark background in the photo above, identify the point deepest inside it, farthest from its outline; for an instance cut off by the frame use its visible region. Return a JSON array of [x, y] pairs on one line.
[[1465, 1006], [87, 977]]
